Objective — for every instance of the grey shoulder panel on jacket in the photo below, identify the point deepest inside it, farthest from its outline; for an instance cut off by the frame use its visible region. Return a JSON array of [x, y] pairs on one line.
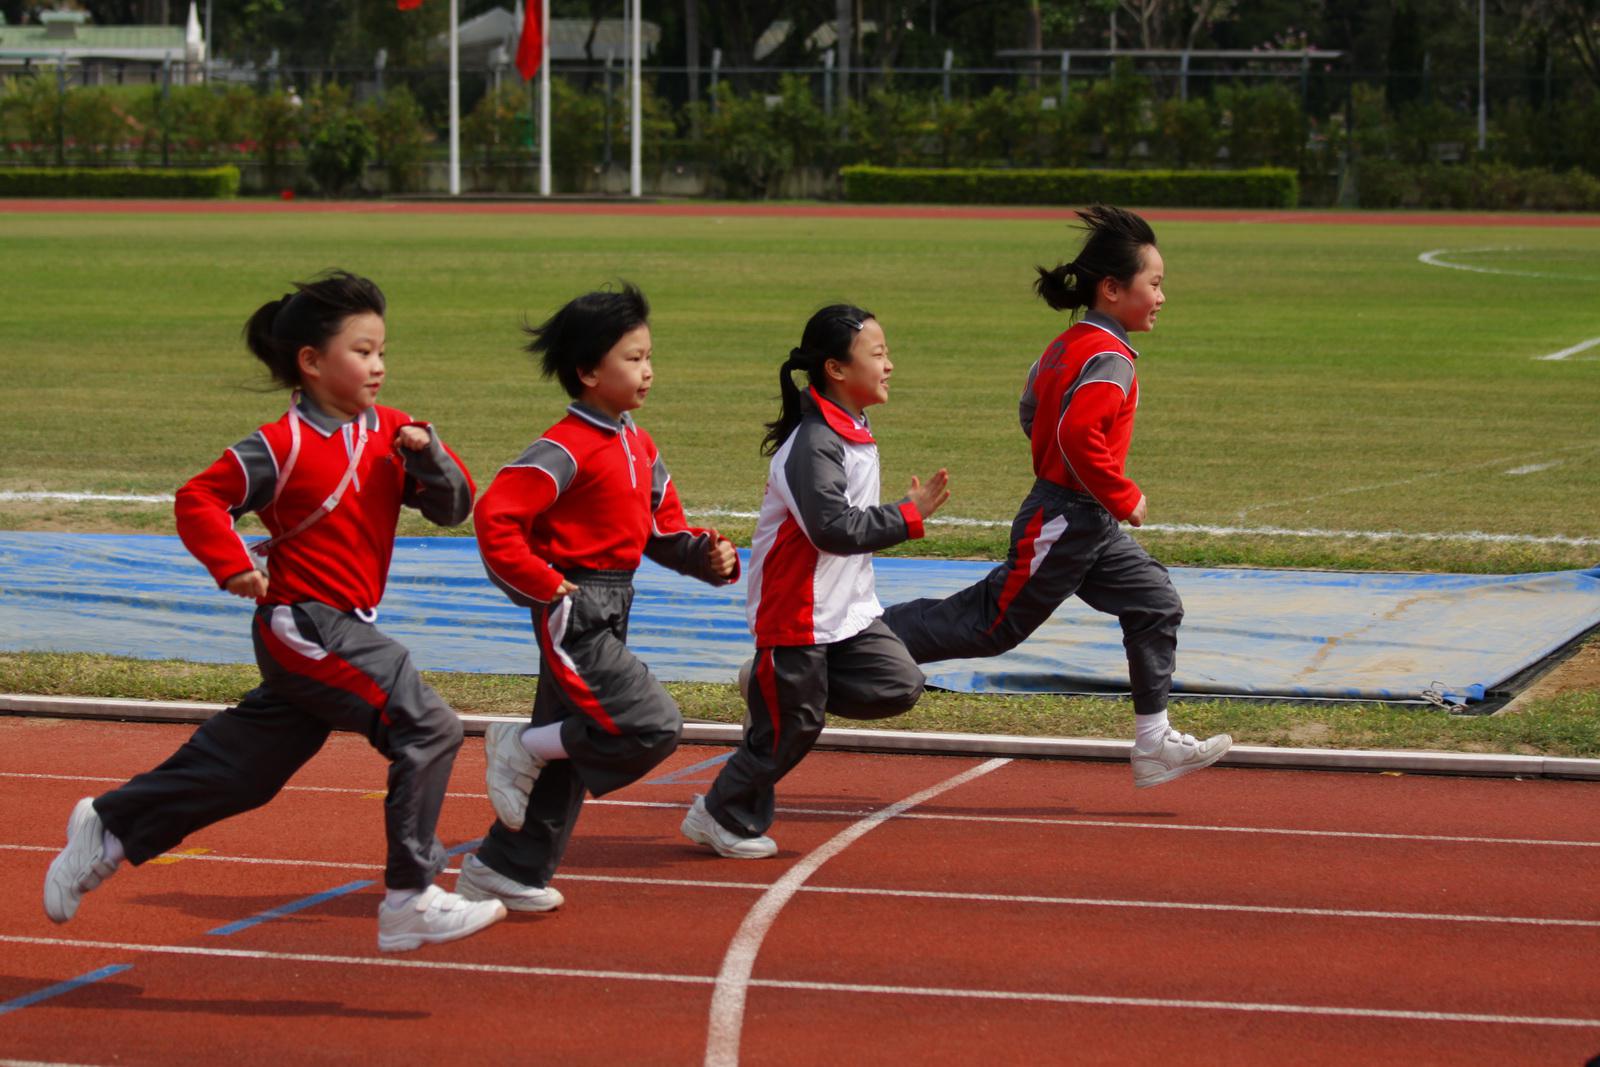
[[551, 458]]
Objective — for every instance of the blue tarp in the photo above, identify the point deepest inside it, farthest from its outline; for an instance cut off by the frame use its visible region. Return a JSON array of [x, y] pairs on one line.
[[1246, 632]]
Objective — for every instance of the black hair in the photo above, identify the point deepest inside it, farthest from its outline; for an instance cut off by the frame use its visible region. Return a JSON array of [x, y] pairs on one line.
[[316, 311], [828, 335], [577, 337], [1113, 248]]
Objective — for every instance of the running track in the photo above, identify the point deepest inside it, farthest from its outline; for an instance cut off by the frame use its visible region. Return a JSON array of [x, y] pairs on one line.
[[1011, 911], [724, 209]]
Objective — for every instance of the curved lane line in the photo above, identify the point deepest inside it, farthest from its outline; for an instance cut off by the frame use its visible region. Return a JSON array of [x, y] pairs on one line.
[[733, 980]]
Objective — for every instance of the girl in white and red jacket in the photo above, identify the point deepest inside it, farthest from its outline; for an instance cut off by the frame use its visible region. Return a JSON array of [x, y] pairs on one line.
[[327, 480], [812, 605], [561, 531], [1077, 409]]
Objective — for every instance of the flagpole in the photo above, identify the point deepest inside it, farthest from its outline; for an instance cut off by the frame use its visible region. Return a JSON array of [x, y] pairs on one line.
[[544, 98], [455, 104], [635, 175]]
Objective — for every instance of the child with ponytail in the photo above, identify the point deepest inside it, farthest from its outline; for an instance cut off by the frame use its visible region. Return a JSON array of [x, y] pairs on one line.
[[820, 644], [1077, 409], [327, 480]]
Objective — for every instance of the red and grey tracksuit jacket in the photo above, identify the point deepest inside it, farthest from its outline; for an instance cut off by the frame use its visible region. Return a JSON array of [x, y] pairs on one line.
[[1077, 409], [589, 494], [342, 559], [811, 579]]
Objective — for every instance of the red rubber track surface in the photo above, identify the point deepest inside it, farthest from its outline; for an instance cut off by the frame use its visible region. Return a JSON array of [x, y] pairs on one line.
[[758, 210], [1031, 914]]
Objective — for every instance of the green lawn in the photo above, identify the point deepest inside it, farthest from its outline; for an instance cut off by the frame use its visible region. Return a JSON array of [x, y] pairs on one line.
[[1304, 377]]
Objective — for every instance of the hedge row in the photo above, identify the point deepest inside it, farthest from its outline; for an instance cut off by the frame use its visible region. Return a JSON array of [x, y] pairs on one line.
[[1475, 187], [213, 182], [1262, 187]]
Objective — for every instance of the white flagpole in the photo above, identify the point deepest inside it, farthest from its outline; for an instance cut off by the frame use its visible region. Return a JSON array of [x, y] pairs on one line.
[[455, 105], [544, 98], [636, 171]]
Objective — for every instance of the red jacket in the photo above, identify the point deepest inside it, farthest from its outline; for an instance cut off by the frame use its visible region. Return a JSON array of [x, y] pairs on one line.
[[342, 559], [1077, 409], [589, 494]]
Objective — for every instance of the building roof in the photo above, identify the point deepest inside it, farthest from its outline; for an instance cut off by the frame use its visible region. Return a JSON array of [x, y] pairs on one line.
[[151, 43]]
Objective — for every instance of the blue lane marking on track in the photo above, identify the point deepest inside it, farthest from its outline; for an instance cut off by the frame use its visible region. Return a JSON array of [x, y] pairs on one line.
[[465, 846], [62, 987], [288, 909], [677, 776]]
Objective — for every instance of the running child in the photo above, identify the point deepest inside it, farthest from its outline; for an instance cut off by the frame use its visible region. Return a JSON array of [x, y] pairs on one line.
[[1077, 409], [812, 605], [328, 480], [561, 531]]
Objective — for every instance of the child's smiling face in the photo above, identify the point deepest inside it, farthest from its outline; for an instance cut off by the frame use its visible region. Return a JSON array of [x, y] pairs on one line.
[[345, 374], [863, 381], [1136, 304], [621, 380]]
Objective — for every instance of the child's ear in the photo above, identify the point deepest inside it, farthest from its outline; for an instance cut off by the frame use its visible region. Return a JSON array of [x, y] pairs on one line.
[[589, 376], [1110, 290], [307, 359], [833, 369]]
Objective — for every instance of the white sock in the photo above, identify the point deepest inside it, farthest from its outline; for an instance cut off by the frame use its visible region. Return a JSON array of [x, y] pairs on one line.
[[399, 898], [111, 845], [1149, 730], [544, 742]]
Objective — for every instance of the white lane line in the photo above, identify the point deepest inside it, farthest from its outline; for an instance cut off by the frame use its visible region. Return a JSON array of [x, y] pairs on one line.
[[1026, 996], [1581, 346], [1468, 536], [932, 894], [1025, 820], [77, 498], [733, 978], [1533, 468]]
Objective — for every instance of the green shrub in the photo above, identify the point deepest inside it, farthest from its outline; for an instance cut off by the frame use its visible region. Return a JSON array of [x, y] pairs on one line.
[[1475, 187], [338, 144], [33, 110], [401, 136], [1189, 135], [1263, 187], [95, 127], [275, 129], [1117, 107], [1264, 123], [213, 182]]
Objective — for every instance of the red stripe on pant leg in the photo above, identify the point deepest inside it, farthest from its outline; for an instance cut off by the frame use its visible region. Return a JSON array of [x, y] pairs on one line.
[[330, 670], [767, 679], [568, 679], [1022, 571]]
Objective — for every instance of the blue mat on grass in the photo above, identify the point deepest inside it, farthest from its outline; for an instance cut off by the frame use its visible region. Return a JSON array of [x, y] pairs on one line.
[[1246, 632]]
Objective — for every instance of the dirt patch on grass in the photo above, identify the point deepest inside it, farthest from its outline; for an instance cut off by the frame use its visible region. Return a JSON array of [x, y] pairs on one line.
[[1579, 672]]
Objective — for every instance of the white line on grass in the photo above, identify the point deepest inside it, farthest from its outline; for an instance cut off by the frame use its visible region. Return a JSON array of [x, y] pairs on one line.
[[1533, 468], [931, 894], [733, 979], [1581, 346], [1434, 258], [1020, 996], [1025, 820], [1469, 536]]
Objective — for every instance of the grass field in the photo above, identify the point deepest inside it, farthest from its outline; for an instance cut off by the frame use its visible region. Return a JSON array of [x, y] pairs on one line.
[[1303, 377]]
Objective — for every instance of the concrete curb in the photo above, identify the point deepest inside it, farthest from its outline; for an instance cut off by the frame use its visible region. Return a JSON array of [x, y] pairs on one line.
[[942, 744]]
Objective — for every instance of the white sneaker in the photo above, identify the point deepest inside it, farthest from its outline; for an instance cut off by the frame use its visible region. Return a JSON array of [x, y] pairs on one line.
[[699, 827], [80, 866], [510, 773], [479, 881], [431, 917], [1175, 756]]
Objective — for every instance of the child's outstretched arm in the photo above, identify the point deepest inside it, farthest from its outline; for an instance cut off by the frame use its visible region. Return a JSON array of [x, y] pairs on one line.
[[242, 480], [815, 485], [503, 521], [700, 553], [437, 482]]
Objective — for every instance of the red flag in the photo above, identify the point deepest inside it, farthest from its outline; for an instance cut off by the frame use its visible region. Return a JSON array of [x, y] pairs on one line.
[[530, 49], [408, 5]]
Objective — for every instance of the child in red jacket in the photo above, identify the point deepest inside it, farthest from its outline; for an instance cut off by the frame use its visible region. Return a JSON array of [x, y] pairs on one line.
[[561, 531], [328, 480], [1077, 409]]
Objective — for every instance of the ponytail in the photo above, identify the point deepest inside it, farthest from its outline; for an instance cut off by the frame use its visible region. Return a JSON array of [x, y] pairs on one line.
[[1113, 247], [828, 335], [315, 312]]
